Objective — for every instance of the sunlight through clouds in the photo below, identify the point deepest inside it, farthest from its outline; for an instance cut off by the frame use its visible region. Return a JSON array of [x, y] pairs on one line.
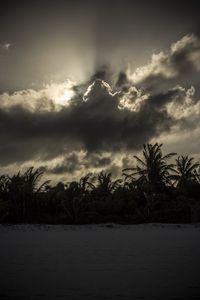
[[61, 93], [68, 127], [52, 97]]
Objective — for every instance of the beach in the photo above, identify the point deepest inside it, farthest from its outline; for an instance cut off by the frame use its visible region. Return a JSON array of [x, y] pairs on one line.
[[108, 261]]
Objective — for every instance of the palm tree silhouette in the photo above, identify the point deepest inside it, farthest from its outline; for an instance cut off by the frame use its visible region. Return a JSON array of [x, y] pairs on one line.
[[153, 190], [23, 189], [5, 204], [76, 202], [197, 174], [105, 185], [186, 170], [152, 171]]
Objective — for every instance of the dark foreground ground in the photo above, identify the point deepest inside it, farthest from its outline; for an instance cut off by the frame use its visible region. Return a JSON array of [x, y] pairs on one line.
[[100, 262]]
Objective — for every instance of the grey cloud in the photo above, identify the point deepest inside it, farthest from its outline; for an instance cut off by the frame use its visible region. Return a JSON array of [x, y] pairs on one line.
[[70, 164], [75, 161], [97, 160], [122, 80], [96, 120], [93, 125], [168, 68]]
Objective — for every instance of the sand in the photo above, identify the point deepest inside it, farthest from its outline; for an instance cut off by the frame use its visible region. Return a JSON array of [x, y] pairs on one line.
[[151, 261]]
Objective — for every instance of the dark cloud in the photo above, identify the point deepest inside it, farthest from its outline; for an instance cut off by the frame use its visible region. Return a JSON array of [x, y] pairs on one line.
[[179, 65], [100, 119], [95, 124], [115, 108], [75, 162], [122, 80], [97, 160], [69, 164], [103, 73]]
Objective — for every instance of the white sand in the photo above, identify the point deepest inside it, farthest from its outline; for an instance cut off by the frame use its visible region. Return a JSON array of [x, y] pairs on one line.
[[99, 262]]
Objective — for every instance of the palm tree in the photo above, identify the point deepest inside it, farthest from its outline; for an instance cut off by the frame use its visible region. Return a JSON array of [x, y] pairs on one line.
[[3, 184], [32, 179], [86, 183], [76, 204], [5, 204], [23, 189], [105, 185], [103, 193], [186, 171], [152, 171], [197, 174]]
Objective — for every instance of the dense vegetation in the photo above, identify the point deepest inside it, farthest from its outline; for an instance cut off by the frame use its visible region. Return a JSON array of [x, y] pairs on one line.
[[153, 190]]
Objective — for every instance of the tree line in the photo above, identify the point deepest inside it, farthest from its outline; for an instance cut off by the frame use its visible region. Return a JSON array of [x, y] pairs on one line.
[[153, 190]]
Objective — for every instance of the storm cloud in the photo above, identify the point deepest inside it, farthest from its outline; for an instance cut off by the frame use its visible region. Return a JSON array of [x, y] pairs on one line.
[[87, 126], [171, 66], [95, 124]]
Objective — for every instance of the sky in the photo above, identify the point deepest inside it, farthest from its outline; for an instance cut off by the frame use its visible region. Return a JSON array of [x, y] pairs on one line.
[[84, 84]]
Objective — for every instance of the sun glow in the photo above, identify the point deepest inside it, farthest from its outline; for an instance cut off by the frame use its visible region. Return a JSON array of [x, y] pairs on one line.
[[62, 93], [64, 97]]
